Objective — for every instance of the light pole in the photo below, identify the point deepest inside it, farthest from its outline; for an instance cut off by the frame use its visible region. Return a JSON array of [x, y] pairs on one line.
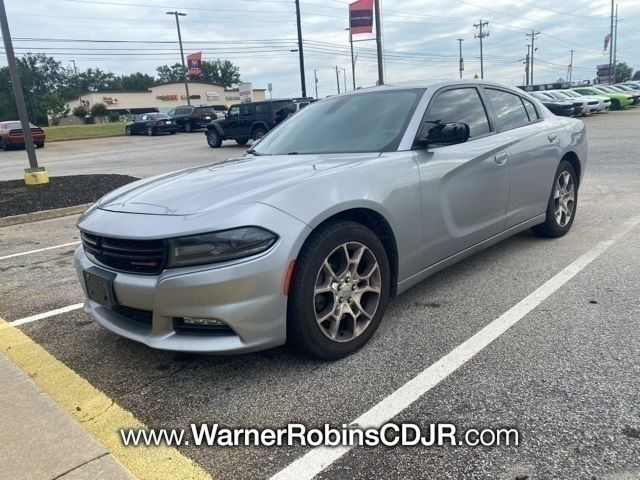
[[337, 78], [34, 174], [315, 77], [461, 65], [303, 81], [184, 67]]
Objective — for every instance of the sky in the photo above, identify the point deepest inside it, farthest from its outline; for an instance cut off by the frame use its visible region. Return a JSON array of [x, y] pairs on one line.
[[420, 38]]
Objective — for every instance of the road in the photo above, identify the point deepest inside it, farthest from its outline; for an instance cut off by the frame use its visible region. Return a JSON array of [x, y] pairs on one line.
[[566, 374], [140, 156]]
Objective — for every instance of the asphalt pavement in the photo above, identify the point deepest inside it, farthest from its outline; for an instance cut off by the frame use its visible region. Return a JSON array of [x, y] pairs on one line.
[[566, 375]]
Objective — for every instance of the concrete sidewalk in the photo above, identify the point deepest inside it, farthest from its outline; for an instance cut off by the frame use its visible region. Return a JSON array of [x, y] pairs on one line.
[[38, 440]]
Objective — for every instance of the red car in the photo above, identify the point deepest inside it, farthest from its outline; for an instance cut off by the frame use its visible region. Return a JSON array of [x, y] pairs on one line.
[[11, 135]]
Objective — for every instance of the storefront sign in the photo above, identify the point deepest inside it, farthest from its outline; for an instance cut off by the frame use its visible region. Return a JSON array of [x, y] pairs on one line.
[[110, 100], [246, 92], [213, 96], [167, 98]]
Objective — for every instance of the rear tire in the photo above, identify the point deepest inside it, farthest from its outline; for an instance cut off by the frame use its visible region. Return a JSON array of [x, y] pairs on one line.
[[242, 141], [563, 202], [150, 131], [172, 132], [4, 145], [40, 144], [258, 133], [342, 276], [213, 139], [127, 130], [188, 128]]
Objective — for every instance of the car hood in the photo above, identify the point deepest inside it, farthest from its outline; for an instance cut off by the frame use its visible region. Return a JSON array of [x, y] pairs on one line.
[[235, 181]]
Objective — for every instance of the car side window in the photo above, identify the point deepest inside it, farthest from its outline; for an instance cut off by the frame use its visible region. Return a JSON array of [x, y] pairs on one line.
[[247, 110], [531, 110], [509, 110], [171, 113], [460, 105], [234, 111]]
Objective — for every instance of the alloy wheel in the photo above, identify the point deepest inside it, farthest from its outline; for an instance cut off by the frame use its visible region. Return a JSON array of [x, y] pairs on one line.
[[564, 198], [347, 291]]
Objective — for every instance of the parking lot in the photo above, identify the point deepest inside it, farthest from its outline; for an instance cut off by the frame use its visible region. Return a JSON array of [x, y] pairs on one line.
[[566, 374]]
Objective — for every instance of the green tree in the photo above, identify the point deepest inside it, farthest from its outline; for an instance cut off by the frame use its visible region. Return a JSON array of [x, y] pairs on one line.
[[55, 107], [636, 76], [220, 72], [170, 74], [99, 110], [95, 80], [80, 112], [137, 81], [623, 72]]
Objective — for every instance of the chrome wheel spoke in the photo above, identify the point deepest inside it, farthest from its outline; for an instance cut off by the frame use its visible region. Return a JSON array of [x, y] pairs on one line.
[[564, 198]]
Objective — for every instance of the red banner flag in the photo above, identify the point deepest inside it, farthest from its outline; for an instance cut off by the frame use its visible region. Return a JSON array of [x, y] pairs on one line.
[[194, 64], [361, 17], [607, 39]]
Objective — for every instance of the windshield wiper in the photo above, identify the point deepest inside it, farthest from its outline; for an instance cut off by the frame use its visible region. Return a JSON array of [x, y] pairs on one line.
[[253, 152]]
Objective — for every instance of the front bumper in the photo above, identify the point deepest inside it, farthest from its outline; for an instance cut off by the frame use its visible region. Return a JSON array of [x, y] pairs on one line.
[[247, 295]]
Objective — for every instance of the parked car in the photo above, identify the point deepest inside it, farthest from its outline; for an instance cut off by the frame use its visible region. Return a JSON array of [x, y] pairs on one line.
[[351, 201], [604, 103], [248, 121], [190, 118], [634, 92], [618, 100], [589, 105], [151, 124], [632, 84], [11, 135], [557, 107]]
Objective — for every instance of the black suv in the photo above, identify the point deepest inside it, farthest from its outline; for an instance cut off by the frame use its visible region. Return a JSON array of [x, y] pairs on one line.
[[190, 118], [248, 121]]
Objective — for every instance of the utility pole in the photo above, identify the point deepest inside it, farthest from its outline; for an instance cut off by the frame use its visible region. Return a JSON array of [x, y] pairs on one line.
[[337, 79], [481, 35], [17, 90], [461, 62], [379, 42], [526, 63], [344, 75], [611, 48], [533, 36], [353, 60], [315, 77], [571, 67], [184, 66], [303, 81], [615, 47]]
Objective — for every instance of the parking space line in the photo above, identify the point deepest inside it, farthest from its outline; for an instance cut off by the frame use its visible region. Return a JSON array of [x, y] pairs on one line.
[[50, 313], [39, 250], [319, 458], [97, 413]]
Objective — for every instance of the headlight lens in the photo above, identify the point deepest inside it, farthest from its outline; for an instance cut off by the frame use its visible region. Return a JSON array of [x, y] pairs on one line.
[[219, 246]]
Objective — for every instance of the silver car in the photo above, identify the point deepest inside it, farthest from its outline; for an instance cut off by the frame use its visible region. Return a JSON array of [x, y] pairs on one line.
[[348, 203]]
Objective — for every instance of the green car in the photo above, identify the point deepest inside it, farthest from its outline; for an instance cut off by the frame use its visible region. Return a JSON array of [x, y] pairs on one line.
[[618, 100]]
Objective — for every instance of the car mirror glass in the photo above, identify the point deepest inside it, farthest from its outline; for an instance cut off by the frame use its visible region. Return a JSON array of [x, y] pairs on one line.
[[436, 133]]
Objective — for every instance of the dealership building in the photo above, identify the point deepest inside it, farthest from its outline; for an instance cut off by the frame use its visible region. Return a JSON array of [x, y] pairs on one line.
[[162, 98]]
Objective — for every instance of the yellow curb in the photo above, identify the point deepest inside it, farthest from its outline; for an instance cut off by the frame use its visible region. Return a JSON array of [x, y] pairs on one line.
[[96, 412]]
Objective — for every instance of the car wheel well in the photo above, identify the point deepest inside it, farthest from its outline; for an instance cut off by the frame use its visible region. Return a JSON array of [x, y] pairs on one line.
[[375, 222], [572, 158]]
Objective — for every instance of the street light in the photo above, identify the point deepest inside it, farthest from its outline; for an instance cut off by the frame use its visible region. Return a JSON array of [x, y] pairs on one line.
[[184, 67]]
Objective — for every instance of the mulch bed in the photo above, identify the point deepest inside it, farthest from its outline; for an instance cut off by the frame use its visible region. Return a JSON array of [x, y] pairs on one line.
[[17, 198]]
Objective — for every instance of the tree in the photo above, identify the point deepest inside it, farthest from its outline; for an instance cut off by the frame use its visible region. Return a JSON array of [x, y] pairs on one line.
[[636, 76], [55, 107], [95, 80], [136, 81], [623, 72], [80, 112], [99, 110], [220, 72], [170, 74]]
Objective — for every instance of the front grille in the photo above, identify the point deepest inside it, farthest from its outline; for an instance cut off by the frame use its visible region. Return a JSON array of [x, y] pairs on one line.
[[593, 103], [179, 326], [135, 256]]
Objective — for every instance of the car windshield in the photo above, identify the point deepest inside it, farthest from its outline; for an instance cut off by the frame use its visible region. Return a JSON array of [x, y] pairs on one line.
[[559, 95], [361, 122], [158, 115], [542, 96], [569, 93], [206, 110]]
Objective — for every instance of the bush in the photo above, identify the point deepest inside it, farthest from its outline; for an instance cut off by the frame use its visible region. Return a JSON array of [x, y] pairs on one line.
[[99, 110], [80, 112]]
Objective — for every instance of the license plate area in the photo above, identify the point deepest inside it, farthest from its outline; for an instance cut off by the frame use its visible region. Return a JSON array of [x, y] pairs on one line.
[[99, 285]]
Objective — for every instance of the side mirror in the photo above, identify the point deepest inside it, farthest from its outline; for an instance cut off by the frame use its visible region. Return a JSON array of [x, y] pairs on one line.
[[433, 133]]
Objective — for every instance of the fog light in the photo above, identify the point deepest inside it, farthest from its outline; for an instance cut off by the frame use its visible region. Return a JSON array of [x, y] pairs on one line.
[[202, 321]]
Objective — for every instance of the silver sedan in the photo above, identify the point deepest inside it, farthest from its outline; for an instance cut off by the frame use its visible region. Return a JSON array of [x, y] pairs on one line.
[[348, 203]]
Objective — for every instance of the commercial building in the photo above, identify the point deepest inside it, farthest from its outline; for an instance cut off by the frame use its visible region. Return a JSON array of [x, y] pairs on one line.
[[162, 98]]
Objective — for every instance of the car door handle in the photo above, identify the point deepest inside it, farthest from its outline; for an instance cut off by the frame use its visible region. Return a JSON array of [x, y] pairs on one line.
[[501, 158], [552, 137]]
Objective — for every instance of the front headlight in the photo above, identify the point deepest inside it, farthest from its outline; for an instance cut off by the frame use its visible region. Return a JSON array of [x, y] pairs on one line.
[[219, 246]]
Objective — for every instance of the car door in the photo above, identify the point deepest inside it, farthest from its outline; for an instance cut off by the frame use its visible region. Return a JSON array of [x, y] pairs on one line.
[[247, 119], [231, 124], [141, 123], [464, 187], [534, 153]]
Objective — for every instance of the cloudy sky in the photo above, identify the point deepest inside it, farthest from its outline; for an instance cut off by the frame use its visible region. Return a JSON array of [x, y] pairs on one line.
[[125, 36]]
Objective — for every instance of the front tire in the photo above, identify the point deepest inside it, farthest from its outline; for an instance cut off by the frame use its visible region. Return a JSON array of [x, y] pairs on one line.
[[258, 133], [242, 141], [339, 291], [213, 139], [4, 145], [40, 144], [150, 131], [561, 209], [188, 128]]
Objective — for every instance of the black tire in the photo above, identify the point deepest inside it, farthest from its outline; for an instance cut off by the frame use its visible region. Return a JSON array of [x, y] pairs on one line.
[[615, 104], [4, 145], [552, 227], [303, 331], [172, 132], [150, 131], [242, 141], [188, 128], [213, 139], [258, 133], [40, 144], [127, 130]]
